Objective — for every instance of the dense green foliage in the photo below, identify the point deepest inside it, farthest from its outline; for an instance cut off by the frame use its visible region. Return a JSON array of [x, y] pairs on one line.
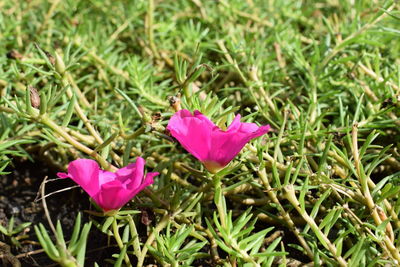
[[321, 188]]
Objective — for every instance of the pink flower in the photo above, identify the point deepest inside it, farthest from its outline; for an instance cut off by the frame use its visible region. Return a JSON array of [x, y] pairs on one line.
[[214, 147], [108, 189]]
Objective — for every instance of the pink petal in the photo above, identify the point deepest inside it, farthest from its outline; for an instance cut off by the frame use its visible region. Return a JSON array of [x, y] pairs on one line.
[[106, 177], [236, 125], [62, 175], [114, 195], [226, 145], [148, 180], [192, 132], [132, 175], [204, 118], [84, 172]]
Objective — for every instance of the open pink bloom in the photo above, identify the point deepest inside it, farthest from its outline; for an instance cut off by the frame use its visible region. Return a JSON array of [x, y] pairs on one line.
[[214, 147], [108, 189]]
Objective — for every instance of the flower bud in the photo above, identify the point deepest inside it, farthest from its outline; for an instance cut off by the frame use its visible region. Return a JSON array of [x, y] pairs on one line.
[[60, 66], [35, 98]]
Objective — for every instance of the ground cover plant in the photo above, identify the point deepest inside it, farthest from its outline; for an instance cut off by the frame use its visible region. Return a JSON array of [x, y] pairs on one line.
[[109, 155]]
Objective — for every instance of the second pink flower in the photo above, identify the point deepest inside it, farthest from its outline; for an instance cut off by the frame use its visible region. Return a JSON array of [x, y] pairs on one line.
[[214, 147], [110, 190]]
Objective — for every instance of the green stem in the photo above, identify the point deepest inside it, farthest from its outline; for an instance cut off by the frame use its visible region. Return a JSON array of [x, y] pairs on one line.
[[150, 28], [119, 240], [374, 208], [286, 216], [290, 195], [218, 199], [161, 225], [135, 236], [135, 134]]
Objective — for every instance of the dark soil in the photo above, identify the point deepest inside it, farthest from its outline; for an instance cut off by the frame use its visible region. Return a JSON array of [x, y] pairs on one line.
[[18, 191]]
